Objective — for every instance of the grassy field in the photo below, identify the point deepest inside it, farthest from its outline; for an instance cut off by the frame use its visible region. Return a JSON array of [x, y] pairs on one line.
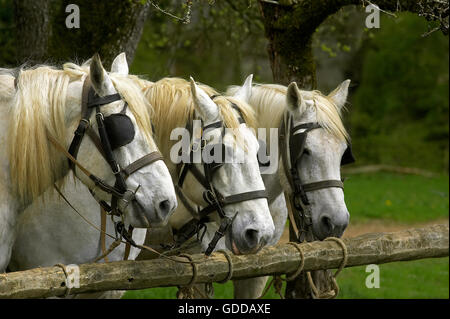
[[391, 198]]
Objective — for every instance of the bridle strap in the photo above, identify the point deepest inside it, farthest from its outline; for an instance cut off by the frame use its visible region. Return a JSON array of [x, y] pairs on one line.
[[126, 253], [103, 233], [142, 162], [197, 174], [186, 202], [242, 197], [322, 184], [84, 122], [232, 199], [98, 101]]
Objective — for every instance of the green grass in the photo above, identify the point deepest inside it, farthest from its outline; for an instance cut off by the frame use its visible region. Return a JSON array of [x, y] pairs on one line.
[[388, 197], [427, 278], [422, 279], [395, 197]]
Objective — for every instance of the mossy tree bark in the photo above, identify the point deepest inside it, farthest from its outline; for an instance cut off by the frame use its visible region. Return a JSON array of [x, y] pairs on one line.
[[106, 27], [289, 27]]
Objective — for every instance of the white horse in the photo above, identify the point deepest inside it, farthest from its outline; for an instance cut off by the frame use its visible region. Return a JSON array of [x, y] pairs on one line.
[[323, 150], [174, 101], [44, 102]]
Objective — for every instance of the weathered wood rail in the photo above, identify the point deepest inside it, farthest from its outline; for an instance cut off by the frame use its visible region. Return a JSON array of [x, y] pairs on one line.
[[376, 248]]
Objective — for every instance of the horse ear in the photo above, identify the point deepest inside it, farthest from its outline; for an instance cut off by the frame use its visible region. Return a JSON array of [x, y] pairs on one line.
[[100, 80], [87, 62], [293, 97], [339, 95], [207, 109], [245, 91], [120, 64]]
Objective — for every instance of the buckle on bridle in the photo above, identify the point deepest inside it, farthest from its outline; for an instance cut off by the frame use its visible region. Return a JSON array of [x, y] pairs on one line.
[[88, 122], [120, 229], [127, 197], [224, 225], [100, 114], [117, 171], [209, 197]]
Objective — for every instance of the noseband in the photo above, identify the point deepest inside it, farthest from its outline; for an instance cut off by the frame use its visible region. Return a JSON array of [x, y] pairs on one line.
[[113, 131], [292, 149], [215, 200]]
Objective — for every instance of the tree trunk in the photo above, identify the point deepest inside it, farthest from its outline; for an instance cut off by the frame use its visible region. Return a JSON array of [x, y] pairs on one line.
[[106, 27], [32, 30], [289, 27]]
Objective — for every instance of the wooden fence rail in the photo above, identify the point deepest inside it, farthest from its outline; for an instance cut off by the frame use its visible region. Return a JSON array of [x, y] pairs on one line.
[[376, 248]]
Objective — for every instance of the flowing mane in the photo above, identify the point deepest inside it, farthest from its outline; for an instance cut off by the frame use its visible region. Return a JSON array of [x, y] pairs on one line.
[[38, 108], [269, 102], [174, 106]]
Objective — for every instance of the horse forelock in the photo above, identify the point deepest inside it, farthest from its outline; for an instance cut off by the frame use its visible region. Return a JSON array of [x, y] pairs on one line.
[[269, 101]]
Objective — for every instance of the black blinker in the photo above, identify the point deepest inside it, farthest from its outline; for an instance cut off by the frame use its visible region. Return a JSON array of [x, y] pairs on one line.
[[347, 157], [120, 130]]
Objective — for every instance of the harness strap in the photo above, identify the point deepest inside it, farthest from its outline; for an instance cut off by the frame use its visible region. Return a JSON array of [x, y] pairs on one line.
[[95, 101], [103, 233], [322, 184], [198, 175], [242, 197], [232, 199], [217, 124], [68, 155], [142, 162], [84, 122], [97, 181], [128, 245], [224, 225], [185, 202]]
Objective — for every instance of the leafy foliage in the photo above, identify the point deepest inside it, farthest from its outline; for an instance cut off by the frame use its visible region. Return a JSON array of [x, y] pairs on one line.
[[222, 44], [400, 111], [7, 43]]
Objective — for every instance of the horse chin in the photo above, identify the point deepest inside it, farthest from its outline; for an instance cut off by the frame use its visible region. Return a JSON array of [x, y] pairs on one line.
[[236, 251], [138, 218], [318, 235]]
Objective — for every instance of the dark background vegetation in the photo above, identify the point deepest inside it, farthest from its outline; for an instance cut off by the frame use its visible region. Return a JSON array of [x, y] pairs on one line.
[[398, 106]]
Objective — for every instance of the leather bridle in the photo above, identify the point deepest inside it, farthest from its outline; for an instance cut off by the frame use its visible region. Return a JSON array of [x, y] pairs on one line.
[[215, 200], [292, 144], [119, 191]]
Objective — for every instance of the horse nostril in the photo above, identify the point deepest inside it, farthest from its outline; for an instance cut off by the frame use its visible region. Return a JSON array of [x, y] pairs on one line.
[[251, 236], [326, 224], [165, 206]]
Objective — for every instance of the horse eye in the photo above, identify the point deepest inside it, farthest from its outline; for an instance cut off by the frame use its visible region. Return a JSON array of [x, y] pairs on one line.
[[306, 151]]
